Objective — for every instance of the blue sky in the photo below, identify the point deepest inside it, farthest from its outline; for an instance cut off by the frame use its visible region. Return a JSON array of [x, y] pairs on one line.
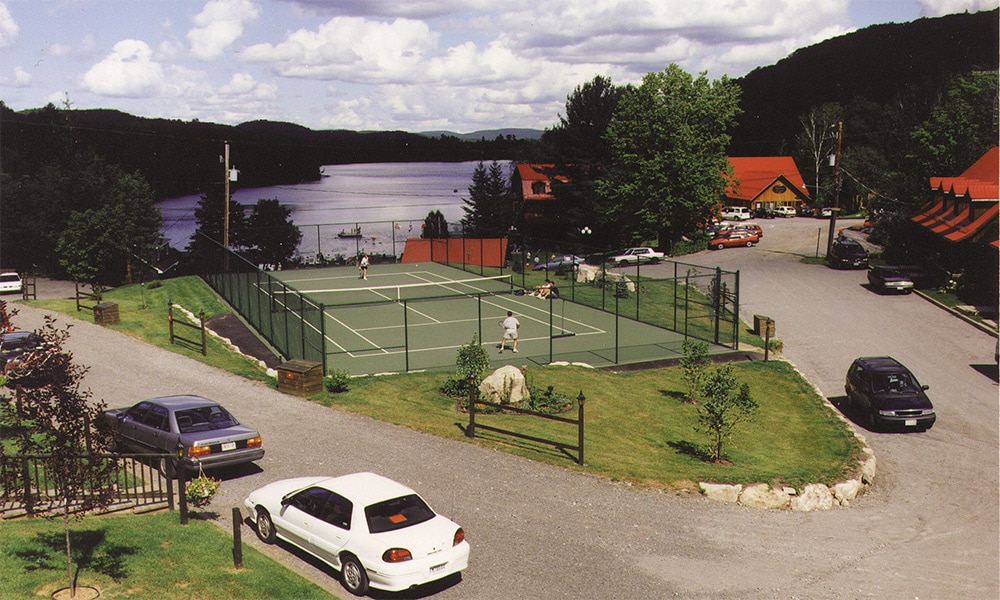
[[414, 65]]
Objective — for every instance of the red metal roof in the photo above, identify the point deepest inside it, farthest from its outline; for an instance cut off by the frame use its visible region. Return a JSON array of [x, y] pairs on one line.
[[927, 215], [757, 173], [969, 228], [981, 181]]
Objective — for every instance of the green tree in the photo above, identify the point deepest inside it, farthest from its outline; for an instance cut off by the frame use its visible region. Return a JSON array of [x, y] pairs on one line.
[[435, 226], [57, 418], [472, 361], [117, 230], [209, 216], [270, 236], [580, 153], [694, 365], [727, 403], [668, 141], [816, 141], [488, 207]]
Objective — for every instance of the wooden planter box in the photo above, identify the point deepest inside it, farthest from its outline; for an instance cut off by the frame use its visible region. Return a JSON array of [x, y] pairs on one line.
[[300, 377]]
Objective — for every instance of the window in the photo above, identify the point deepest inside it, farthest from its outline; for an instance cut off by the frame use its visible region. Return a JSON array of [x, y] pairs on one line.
[[311, 501], [338, 511], [397, 513], [156, 417], [538, 188]]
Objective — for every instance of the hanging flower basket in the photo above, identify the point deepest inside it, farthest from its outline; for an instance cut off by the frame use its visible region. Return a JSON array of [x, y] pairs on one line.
[[201, 490]]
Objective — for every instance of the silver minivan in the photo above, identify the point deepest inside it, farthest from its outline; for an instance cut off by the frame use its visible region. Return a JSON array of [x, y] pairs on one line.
[[736, 213]]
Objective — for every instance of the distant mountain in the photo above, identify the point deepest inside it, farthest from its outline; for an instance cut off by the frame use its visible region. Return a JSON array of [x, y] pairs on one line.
[[490, 134], [881, 64]]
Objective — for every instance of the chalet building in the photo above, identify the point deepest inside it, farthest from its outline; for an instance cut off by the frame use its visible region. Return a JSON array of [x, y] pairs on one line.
[[960, 227], [532, 191], [765, 182]]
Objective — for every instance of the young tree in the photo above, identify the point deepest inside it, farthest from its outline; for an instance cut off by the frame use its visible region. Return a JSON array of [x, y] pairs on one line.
[[694, 365], [668, 143], [818, 140], [727, 403], [57, 418], [270, 235], [488, 207]]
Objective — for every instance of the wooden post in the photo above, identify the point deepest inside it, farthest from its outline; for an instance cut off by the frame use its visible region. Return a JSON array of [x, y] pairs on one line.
[[471, 429], [237, 538], [170, 320], [580, 401], [204, 344]]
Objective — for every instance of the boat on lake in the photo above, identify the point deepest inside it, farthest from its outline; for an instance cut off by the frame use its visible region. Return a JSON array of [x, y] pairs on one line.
[[353, 233]]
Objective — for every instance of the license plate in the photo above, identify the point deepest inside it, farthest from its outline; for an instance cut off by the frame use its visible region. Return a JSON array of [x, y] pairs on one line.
[[439, 567], [911, 422], [227, 446]]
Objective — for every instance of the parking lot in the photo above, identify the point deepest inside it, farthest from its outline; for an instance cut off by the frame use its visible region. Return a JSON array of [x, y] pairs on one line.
[[927, 529]]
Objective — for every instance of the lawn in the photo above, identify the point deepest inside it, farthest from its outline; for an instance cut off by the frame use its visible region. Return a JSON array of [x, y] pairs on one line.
[[140, 556], [638, 428]]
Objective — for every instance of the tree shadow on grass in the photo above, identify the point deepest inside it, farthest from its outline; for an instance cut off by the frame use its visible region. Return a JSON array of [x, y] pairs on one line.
[[691, 449], [91, 551]]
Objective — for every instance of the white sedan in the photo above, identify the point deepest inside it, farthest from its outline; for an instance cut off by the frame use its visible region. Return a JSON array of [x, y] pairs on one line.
[[377, 532]]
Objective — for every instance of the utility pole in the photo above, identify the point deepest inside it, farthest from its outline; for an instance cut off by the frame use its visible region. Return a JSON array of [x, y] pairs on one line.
[[225, 211], [836, 187]]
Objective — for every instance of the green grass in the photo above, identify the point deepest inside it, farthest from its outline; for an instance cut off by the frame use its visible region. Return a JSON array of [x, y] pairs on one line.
[[638, 429], [143, 314], [140, 556]]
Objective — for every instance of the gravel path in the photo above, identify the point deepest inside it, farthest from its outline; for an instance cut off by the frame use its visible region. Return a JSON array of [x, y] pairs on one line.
[[928, 529]]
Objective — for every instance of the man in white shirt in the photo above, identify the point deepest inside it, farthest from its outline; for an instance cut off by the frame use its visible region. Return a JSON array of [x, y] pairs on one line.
[[510, 326]]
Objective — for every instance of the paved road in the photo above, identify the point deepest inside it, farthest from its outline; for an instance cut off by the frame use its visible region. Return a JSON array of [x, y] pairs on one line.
[[928, 529]]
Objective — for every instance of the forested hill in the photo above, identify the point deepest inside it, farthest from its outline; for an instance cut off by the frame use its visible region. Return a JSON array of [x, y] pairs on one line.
[[902, 64], [180, 157]]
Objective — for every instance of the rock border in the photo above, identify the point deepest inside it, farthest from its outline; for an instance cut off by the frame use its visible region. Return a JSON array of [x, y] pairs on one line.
[[813, 496]]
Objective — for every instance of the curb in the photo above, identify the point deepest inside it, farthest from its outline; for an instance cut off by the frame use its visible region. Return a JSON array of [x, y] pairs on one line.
[[978, 325]]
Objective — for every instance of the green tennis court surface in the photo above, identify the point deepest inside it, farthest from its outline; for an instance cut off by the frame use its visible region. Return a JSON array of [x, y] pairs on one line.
[[408, 317]]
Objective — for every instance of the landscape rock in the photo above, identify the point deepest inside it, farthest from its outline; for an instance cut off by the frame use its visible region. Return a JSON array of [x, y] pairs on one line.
[[720, 491], [815, 496], [846, 491], [760, 495], [506, 385]]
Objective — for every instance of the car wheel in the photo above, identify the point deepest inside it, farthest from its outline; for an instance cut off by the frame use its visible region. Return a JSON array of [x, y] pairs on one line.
[[166, 467], [622, 263], [870, 420], [749, 243], [265, 526], [720, 246], [353, 575]]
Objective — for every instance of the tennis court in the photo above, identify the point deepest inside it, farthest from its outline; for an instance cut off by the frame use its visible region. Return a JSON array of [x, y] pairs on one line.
[[408, 317]]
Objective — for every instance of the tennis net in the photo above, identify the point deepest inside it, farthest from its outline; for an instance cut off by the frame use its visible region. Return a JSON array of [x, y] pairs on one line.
[[497, 284]]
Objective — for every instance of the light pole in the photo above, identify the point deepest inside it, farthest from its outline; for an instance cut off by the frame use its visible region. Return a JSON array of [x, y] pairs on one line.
[[836, 187]]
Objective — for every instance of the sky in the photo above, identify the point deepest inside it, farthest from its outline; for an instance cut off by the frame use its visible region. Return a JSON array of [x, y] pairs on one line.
[[412, 65]]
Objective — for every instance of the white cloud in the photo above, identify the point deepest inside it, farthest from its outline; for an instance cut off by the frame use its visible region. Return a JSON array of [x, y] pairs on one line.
[[128, 71], [20, 79], [937, 8], [218, 25], [9, 29]]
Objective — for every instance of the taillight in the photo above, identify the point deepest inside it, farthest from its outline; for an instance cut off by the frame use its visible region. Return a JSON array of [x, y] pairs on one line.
[[196, 451], [395, 555], [459, 537], [254, 442]]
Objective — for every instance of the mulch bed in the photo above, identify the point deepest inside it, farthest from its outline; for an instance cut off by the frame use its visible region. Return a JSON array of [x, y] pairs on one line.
[[232, 328]]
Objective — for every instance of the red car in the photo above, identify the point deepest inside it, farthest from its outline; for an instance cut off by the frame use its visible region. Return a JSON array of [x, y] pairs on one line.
[[733, 239]]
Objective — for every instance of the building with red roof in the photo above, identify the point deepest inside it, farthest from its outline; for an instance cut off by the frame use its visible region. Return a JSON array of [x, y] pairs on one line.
[[765, 182]]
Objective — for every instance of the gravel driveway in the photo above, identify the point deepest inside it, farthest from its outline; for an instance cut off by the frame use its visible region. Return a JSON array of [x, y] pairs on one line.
[[928, 528]]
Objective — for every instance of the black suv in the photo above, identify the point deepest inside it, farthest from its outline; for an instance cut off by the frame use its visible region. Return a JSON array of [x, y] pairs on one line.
[[887, 395], [847, 253]]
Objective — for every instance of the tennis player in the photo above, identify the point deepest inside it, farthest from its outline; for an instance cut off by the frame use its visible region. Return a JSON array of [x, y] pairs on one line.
[[363, 266], [510, 326]]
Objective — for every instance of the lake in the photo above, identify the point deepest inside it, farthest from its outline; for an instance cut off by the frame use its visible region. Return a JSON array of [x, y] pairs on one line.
[[387, 200]]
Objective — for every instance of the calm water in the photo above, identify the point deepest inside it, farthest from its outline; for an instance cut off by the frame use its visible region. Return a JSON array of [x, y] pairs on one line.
[[388, 200]]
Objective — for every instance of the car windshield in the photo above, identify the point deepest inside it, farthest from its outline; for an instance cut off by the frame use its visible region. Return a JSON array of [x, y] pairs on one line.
[[397, 513], [849, 249], [204, 418], [8, 278], [893, 383]]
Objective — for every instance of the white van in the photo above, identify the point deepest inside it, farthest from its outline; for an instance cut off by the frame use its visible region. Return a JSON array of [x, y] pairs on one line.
[[784, 211], [736, 213]]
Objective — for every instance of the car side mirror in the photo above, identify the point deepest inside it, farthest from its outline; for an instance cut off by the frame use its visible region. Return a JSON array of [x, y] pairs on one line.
[[120, 417], [925, 387], [285, 501]]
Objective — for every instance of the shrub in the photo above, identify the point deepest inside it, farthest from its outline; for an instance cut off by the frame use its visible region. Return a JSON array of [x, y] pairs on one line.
[[472, 361], [693, 365], [455, 388], [775, 345], [200, 490], [338, 381]]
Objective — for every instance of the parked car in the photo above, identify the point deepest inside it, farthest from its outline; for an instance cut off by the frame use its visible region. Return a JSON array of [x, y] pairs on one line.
[[848, 253], [637, 255], [733, 239], [207, 434], [753, 228], [736, 213], [379, 533], [567, 261], [784, 211], [887, 395], [764, 213], [10, 283], [824, 213], [888, 278], [16, 347]]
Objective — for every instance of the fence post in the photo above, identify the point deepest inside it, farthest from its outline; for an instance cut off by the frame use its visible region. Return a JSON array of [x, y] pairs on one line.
[[470, 431], [170, 320], [204, 342], [580, 400], [237, 538], [29, 505]]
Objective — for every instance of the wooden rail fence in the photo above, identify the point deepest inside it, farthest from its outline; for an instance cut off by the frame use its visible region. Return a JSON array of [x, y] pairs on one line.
[[174, 337]]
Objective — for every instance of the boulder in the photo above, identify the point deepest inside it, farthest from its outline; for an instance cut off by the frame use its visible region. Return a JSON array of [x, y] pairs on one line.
[[720, 491], [846, 491], [815, 496], [587, 273], [760, 495], [506, 385]]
